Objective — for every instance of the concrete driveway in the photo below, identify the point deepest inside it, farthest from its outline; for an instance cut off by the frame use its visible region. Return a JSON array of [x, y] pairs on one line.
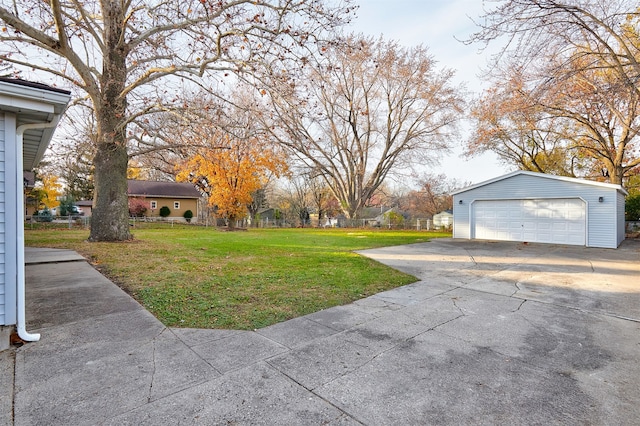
[[493, 333], [536, 334]]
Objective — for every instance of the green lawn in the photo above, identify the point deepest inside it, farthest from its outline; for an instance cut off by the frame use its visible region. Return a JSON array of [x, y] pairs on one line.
[[191, 276]]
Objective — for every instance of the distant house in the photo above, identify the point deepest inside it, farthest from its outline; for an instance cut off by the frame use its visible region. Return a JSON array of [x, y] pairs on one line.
[[372, 216], [386, 218], [86, 206], [444, 219], [33, 203], [269, 214], [29, 114], [178, 197]]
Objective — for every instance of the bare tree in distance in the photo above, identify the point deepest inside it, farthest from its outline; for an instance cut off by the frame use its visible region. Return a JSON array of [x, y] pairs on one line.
[[363, 110], [322, 199], [432, 196], [131, 59]]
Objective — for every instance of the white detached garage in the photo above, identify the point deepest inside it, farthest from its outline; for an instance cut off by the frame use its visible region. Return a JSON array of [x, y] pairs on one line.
[[541, 208]]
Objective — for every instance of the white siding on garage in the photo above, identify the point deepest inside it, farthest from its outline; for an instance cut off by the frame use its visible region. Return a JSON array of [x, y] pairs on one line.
[[602, 217]]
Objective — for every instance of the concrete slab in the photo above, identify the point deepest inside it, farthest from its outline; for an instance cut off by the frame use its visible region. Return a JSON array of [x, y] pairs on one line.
[[60, 293], [474, 371], [88, 368], [237, 351], [376, 306], [197, 336], [35, 256], [254, 395], [323, 361], [341, 318], [492, 333], [437, 379], [296, 332], [414, 293]]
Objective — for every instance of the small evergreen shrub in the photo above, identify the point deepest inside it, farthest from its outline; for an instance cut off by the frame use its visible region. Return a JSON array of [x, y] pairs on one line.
[[188, 215], [165, 211]]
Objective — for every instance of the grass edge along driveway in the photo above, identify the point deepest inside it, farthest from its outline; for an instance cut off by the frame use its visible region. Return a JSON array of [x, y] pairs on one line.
[[197, 277]]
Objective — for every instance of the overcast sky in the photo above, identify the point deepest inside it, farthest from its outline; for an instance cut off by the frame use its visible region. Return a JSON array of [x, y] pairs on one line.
[[437, 24]]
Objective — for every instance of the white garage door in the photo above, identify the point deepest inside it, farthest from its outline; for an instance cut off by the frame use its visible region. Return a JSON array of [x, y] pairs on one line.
[[558, 221]]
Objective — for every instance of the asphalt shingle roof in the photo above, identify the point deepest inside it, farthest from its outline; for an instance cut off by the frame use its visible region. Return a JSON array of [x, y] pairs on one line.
[[162, 189]]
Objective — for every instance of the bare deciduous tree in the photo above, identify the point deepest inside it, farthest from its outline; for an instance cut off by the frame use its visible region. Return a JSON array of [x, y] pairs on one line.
[[362, 110], [510, 122], [128, 58], [603, 32], [580, 74], [433, 195]]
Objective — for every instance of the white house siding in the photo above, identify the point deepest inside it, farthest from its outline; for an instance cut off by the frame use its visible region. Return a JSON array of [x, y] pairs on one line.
[[601, 217], [8, 218], [3, 239]]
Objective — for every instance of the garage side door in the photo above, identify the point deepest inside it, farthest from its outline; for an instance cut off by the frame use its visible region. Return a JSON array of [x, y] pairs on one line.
[[558, 221]]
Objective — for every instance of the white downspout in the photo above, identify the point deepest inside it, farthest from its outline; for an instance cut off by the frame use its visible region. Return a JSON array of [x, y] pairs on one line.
[[20, 291]]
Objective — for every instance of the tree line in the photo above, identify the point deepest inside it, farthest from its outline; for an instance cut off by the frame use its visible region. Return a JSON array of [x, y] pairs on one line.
[[231, 95]]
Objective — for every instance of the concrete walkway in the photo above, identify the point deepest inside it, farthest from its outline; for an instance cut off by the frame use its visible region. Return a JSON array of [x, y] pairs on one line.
[[493, 333]]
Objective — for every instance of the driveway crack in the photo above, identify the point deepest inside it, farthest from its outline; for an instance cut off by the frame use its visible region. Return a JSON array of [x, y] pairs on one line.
[[516, 290], [153, 364], [453, 300], [199, 356], [471, 257], [317, 395], [520, 305]]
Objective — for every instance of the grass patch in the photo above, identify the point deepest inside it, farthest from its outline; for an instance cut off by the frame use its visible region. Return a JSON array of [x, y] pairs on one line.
[[198, 277]]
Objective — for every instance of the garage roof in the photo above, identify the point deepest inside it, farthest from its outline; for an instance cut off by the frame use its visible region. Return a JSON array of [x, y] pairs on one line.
[[545, 176]]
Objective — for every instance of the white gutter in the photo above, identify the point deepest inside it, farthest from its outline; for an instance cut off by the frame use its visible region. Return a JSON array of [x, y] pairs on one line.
[[21, 322]]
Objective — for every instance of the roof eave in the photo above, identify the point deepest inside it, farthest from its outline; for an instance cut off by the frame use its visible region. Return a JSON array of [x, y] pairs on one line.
[[36, 103], [164, 196], [544, 176]]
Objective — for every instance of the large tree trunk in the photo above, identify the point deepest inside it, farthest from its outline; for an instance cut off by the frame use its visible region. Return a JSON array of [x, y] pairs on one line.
[[109, 221]]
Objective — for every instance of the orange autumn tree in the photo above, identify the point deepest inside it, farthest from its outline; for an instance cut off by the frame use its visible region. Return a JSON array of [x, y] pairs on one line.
[[51, 190], [231, 172]]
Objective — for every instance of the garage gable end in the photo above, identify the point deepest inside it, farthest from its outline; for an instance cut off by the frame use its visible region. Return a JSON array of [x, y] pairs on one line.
[[534, 207]]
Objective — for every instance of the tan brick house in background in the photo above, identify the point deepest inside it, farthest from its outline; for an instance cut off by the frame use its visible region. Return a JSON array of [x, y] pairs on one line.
[[177, 196]]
